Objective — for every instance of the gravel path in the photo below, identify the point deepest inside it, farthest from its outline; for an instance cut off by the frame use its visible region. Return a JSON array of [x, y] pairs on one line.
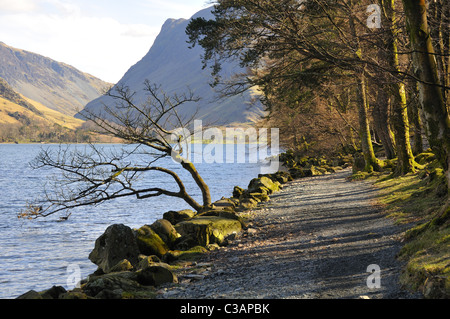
[[314, 240]]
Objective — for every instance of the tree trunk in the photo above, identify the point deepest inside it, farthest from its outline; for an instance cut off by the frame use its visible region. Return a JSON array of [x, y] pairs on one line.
[[399, 107], [435, 112], [361, 100], [415, 118], [187, 165], [364, 128], [380, 116]]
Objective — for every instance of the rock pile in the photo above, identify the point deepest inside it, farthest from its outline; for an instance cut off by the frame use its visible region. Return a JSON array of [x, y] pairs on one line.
[[133, 263]]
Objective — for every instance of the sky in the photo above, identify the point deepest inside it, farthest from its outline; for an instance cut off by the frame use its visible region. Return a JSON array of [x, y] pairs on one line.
[[101, 37]]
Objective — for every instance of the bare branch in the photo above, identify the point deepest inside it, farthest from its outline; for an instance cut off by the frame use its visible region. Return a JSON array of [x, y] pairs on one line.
[[95, 175]]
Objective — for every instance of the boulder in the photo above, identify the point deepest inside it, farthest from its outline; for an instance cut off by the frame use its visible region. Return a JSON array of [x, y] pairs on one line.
[[317, 170], [280, 176], [205, 230], [185, 255], [121, 266], [299, 172], [145, 261], [116, 244], [54, 293], [156, 275], [150, 243], [259, 197], [111, 286], [261, 184], [31, 295], [224, 204], [247, 204], [165, 231], [237, 191], [74, 295], [221, 213], [175, 217]]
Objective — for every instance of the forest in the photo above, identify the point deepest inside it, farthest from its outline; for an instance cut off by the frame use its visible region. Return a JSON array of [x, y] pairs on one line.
[[340, 76], [369, 79]]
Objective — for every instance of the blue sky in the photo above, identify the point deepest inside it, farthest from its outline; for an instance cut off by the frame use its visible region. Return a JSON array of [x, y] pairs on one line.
[[101, 37]]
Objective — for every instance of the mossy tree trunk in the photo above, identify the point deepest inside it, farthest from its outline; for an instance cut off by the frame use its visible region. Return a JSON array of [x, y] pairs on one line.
[[436, 118], [364, 127], [381, 120], [415, 118], [400, 119], [362, 104]]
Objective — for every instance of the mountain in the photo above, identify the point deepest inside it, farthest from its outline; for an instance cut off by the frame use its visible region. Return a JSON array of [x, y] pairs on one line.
[[26, 121], [22, 119], [8, 94], [173, 65], [56, 85]]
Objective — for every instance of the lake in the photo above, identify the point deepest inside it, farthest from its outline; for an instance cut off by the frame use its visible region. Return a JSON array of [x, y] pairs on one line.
[[37, 254]]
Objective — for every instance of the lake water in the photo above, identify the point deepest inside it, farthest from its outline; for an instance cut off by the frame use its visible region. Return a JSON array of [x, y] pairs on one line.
[[37, 254]]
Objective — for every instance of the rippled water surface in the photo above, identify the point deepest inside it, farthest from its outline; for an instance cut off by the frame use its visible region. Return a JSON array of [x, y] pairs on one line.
[[36, 254]]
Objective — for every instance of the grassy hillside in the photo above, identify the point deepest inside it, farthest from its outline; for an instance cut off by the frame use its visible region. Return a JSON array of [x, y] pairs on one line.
[[57, 117], [56, 85], [25, 120], [19, 124]]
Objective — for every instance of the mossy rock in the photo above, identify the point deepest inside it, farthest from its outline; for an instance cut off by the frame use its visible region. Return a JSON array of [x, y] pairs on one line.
[[317, 171], [299, 172], [117, 243], [185, 255], [237, 191], [107, 286], [165, 231], [146, 261], [175, 217], [150, 243], [31, 295], [247, 204], [261, 184], [281, 177], [205, 230], [121, 266], [74, 295], [260, 197], [156, 275], [224, 204], [221, 213]]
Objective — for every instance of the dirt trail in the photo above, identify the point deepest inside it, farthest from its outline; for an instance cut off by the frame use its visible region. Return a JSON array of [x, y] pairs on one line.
[[314, 240]]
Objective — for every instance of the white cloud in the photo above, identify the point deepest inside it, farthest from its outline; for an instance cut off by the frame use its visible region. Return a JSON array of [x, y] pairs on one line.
[[101, 46], [104, 38], [175, 8], [17, 6]]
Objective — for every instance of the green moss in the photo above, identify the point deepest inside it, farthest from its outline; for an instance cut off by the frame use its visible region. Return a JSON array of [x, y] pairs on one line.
[[425, 158], [205, 230], [150, 243], [421, 199], [192, 254]]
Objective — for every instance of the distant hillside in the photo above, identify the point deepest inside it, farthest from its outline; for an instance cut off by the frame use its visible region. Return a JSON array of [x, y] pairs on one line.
[[8, 93], [171, 64], [56, 85], [25, 120]]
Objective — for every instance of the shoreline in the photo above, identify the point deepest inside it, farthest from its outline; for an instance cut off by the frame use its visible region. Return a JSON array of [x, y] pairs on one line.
[[218, 256], [183, 257]]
